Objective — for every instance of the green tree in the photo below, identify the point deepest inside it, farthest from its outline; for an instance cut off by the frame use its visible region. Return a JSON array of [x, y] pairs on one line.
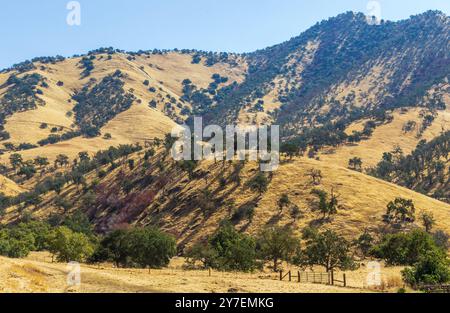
[[151, 248], [405, 248], [235, 251], [277, 244], [27, 170], [283, 202], [42, 162], [62, 160], [15, 160], [16, 242], [114, 247], [364, 243], [428, 221], [79, 222], [401, 210], [328, 205], [355, 164], [203, 253], [70, 246], [326, 249], [290, 150], [431, 268]]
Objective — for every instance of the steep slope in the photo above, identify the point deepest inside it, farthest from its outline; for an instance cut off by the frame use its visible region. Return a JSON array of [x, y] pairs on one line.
[[154, 79], [8, 187], [159, 192], [343, 69], [387, 137]]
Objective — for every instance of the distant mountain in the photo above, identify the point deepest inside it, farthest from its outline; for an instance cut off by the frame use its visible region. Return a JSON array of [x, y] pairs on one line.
[[342, 69]]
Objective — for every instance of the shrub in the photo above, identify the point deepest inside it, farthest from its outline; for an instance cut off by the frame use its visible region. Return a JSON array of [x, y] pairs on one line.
[[247, 211], [259, 183]]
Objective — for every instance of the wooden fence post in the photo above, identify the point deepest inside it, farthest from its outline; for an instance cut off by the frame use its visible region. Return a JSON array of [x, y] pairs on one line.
[[332, 278], [298, 277], [290, 276], [281, 275], [345, 281]]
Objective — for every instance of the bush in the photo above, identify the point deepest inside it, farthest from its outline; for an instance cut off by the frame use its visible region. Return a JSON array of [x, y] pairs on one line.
[[247, 212], [259, 183]]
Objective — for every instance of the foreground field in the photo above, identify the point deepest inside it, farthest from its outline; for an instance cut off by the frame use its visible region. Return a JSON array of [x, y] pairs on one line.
[[38, 274]]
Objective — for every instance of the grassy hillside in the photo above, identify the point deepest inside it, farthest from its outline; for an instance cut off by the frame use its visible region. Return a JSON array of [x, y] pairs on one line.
[[163, 72], [387, 137], [159, 192], [8, 187]]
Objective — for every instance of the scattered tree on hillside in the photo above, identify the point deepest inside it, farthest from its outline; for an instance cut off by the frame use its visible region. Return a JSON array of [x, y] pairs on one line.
[[328, 204], [355, 164], [315, 175], [428, 221], [400, 211], [283, 202]]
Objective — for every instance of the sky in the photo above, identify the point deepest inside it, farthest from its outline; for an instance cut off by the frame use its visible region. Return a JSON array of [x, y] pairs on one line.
[[39, 28]]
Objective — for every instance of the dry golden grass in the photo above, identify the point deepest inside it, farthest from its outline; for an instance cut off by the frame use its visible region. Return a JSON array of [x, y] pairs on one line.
[[38, 274], [363, 199], [165, 72], [385, 138], [8, 187]]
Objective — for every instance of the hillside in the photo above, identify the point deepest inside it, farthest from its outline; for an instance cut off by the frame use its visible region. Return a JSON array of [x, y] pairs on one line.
[[148, 77], [343, 89], [387, 137], [8, 187], [159, 192]]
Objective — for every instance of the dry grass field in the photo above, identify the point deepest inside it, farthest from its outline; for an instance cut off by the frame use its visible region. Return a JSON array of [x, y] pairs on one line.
[[385, 138], [8, 187], [38, 274]]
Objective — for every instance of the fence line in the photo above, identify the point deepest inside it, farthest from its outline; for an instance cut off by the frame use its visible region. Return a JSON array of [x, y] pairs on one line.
[[315, 278]]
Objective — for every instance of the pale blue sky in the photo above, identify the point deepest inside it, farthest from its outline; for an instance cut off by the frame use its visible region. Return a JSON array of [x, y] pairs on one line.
[[38, 28]]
